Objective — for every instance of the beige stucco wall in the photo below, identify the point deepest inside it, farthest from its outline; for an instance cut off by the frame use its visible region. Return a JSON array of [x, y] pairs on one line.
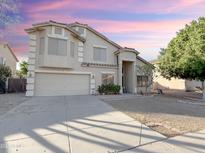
[[10, 60], [175, 83], [192, 85], [84, 53], [73, 64], [142, 89], [163, 83]]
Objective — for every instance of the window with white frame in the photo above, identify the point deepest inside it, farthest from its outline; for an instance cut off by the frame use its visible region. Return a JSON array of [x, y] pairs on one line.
[[72, 49], [99, 54], [142, 81], [57, 46], [58, 30], [107, 78], [2, 61], [42, 46], [80, 30]]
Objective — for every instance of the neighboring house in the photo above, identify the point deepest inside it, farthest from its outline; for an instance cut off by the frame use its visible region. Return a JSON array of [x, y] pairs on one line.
[[159, 82], [74, 59], [7, 57]]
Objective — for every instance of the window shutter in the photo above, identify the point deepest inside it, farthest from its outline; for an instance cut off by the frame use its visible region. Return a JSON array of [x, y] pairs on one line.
[[42, 46], [72, 49]]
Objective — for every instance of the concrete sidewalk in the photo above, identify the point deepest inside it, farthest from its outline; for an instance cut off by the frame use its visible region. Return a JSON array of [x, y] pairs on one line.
[[70, 124], [187, 143], [76, 124]]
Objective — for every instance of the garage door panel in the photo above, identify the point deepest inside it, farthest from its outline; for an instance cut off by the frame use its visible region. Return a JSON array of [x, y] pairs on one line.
[[61, 84]]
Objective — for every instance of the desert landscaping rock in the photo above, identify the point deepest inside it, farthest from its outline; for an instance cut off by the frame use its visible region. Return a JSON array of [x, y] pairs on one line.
[[163, 114]]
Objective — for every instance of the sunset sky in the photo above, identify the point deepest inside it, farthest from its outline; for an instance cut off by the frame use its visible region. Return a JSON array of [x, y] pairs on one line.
[[146, 25]]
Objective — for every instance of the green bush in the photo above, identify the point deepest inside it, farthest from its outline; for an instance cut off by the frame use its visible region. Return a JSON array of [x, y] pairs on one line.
[[109, 89], [5, 72]]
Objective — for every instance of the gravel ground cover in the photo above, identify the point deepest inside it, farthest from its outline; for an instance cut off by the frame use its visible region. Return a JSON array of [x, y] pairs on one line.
[[164, 114]]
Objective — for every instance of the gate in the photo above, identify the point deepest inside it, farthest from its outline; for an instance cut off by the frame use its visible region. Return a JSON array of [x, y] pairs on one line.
[[16, 85]]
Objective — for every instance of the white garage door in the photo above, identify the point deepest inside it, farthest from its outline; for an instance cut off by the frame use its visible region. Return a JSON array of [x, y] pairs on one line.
[[61, 84]]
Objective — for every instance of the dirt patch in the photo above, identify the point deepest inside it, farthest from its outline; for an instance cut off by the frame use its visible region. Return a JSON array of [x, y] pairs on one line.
[[163, 114]]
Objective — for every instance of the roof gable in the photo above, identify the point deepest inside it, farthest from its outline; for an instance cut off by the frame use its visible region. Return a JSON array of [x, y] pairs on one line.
[[53, 23], [11, 51], [95, 32]]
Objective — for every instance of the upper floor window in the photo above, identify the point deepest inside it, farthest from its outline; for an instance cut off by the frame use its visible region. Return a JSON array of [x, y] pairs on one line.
[[99, 54], [57, 46], [142, 81], [81, 30], [42, 46], [58, 30], [2, 61], [72, 49], [107, 79]]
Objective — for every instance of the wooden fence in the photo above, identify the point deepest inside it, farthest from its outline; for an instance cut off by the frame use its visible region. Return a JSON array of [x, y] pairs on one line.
[[16, 85]]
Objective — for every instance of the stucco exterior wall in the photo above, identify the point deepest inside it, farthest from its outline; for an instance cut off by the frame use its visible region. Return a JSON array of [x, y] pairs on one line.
[[10, 60], [163, 83], [142, 89], [42, 63], [94, 40], [192, 85], [74, 65]]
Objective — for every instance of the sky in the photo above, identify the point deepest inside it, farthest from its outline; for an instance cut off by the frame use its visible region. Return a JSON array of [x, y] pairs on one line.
[[146, 25]]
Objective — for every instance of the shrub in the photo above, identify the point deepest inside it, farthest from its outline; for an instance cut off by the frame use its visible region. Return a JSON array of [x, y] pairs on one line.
[[109, 89], [5, 72]]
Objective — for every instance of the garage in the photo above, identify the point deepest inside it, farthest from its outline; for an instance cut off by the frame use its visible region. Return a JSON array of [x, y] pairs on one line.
[[50, 84]]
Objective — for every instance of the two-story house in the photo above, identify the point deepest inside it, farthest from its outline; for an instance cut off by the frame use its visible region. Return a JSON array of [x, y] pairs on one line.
[[74, 59], [7, 57]]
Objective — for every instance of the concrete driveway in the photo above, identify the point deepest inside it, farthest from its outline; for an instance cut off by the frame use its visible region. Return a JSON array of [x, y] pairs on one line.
[[71, 124]]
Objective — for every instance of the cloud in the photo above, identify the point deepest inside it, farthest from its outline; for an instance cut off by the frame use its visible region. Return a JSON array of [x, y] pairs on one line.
[[147, 35], [137, 6]]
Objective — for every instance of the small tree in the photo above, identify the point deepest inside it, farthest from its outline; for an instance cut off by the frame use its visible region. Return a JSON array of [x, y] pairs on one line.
[[184, 56], [146, 70], [22, 73], [5, 72]]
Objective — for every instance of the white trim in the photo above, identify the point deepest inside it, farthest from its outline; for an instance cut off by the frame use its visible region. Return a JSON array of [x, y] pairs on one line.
[[92, 81], [63, 32], [80, 59], [63, 72], [32, 43], [29, 93], [32, 37], [32, 48], [80, 54], [31, 55], [57, 36], [31, 67], [80, 44], [29, 87], [31, 61], [52, 29], [80, 48], [100, 46], [92, 86], [30, 80], [107, 72]]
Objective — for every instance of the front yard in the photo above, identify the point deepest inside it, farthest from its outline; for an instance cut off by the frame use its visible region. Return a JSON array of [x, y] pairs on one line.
[[165, 114]]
